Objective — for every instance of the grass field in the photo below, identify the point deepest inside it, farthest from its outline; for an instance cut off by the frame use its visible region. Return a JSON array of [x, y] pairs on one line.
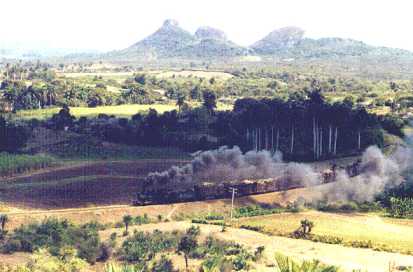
[[394, 233], [119, 111]]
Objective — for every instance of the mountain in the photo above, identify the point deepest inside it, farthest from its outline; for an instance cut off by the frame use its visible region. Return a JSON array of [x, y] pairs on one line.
[[289, 42], [279, 40], [173, 44], [164, 42], [172, 41]]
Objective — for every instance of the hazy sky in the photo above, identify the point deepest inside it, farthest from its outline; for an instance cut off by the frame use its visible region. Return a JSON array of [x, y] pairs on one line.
[[115, 24]]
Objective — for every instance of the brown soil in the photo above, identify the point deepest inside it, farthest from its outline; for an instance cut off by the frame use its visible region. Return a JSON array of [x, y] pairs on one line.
[[88, 184]]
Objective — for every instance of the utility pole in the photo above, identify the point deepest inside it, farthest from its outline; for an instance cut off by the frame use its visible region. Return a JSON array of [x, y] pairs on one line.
[[234, 191]]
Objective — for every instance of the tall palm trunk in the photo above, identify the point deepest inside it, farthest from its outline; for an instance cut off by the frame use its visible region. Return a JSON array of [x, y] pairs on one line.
[[330, 131], [314, 139], [359, 140], [292, 140], [321, 142], [335, 141], [272, 139]]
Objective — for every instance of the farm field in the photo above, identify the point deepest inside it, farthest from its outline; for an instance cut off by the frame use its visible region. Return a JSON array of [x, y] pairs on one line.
[[345, 257], [80, 185], [394, 233], [121, 76], [119, 111]]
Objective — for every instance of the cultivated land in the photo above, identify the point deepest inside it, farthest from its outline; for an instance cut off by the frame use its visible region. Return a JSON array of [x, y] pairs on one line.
[[345, 257], [350, 227], [80, 185], [102, 191], [101, 184], [119, 111]]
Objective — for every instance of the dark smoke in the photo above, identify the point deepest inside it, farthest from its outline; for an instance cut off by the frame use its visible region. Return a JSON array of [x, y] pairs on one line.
[[230, 164]]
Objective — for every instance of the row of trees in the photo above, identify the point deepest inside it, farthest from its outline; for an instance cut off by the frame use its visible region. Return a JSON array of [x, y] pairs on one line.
[[304, 127], [321, 127]]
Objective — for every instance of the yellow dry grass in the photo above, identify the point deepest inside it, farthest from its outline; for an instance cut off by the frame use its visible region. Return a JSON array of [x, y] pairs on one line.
[[394, 233]]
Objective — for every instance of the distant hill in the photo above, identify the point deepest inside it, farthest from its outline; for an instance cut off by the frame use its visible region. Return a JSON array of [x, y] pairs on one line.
[[171, 41], [289, 42]]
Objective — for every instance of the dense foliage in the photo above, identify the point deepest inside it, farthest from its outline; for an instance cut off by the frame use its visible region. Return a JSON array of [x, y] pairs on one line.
[[304, 127], [55, 235]]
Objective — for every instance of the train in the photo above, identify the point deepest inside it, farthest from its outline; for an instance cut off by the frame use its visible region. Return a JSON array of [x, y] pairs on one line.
[[213, 190]]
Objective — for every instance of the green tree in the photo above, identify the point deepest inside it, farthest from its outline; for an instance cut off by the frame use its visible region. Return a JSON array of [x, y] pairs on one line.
[[186, 245], [210, 101]]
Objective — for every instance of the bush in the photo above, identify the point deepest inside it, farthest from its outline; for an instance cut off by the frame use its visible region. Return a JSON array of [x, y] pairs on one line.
[[142, 246], [214, 216], [253, 228], [255, 210], [55, 235], [42, 261], [285, 264], [163, 265], [401, 207]]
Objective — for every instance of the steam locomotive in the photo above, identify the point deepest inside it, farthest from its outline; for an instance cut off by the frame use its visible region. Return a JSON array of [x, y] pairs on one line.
[[213, 190]]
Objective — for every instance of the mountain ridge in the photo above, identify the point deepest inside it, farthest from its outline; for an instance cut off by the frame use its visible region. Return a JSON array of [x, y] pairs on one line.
[[172, 41]]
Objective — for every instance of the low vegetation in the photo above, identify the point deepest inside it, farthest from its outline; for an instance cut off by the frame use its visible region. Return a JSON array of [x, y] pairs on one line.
[[11, 164], [55, 236], [349, 230]]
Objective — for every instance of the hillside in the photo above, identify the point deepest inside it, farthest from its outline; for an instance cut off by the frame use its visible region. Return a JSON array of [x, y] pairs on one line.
[[171, 41]]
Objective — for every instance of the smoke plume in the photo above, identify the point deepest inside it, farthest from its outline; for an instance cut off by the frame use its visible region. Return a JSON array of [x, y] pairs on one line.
[[377, 172]]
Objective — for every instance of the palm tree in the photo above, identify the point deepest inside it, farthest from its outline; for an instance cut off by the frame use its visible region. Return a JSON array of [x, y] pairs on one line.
[[180, 102], [127, 219], [3, 220], [187, 244], [210, 101]]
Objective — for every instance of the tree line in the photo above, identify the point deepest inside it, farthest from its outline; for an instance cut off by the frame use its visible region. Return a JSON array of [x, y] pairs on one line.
[[303, 127]]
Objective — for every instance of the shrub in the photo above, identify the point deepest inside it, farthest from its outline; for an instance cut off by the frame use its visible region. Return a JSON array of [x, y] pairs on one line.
[[141, 246], [213, 216], [401, 207], [255, 210], [55, 235], [253, 228], [163, 265], [286, 264]]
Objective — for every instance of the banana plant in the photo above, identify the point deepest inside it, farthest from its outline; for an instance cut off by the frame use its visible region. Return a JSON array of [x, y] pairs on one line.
[[286, 264]]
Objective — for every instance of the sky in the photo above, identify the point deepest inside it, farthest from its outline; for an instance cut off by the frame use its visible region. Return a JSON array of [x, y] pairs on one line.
[[116, 24]]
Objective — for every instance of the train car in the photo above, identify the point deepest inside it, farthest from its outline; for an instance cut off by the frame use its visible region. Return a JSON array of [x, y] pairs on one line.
[[214, 190], [245, 187], [266, 185], [209, 190]]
